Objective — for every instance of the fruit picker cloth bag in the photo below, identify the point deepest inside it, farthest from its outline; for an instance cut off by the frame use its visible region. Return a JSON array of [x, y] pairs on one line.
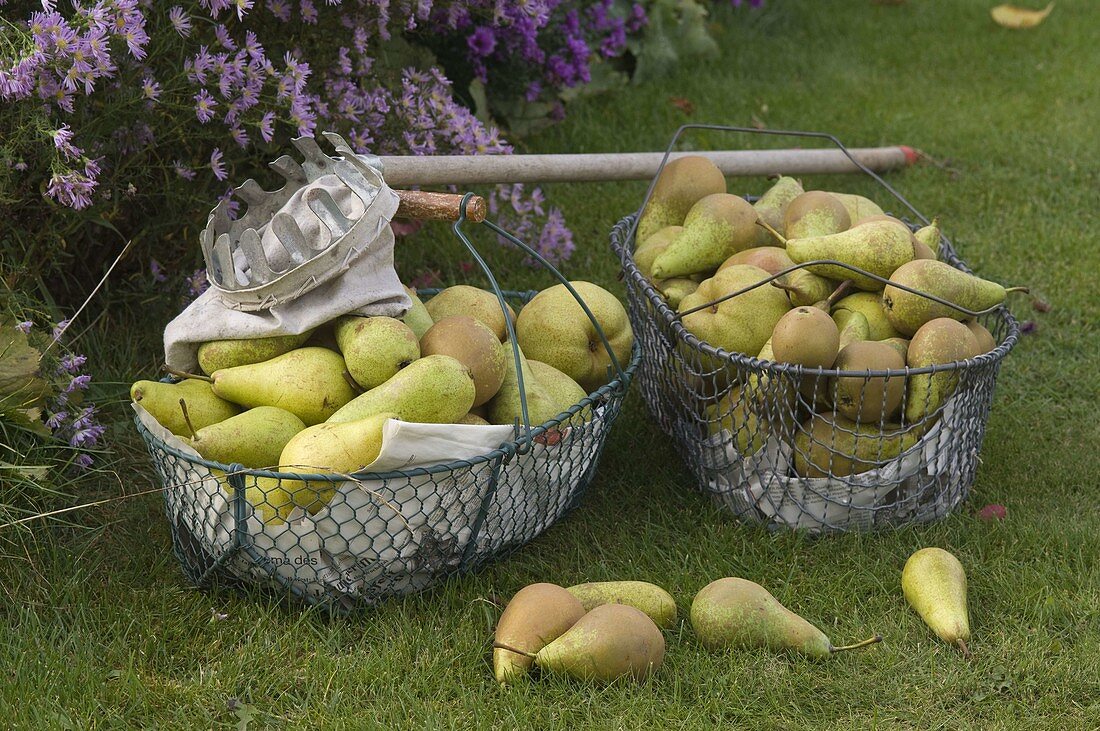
[[364, 285]]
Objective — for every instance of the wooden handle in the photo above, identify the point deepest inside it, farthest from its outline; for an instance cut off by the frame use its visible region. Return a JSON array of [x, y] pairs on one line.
[[426, 206]]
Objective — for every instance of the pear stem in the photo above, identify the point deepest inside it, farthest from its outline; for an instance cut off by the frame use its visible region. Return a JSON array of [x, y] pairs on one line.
[[184, 374], [187, 420], [1010, 290], [502, 646], [962, 646], [839, 292], [765, 225], [856, 646], [784, 286]]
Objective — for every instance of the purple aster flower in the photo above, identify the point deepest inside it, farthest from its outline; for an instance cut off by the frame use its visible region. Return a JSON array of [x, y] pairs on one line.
[[55, 420], [280, 9], [197, 283], [150, 89], [180, 20], [62, 140], [533, 91], [85, 419], [83, 461], [232, 205], [309, 12], [25, 326], [216, 164], [20, 167], [482, 41], [182, 170], [59, 330], [239, 136], [72, 364], [78, 383], [157, 271], [204, 106], [88, 437], [221, 34], [267, 126]]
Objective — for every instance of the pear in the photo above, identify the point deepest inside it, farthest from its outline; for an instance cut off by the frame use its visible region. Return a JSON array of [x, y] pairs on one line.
[[908, 311], [986, 341], [537, 615], [657, 603], [921, 251], [853, 327], [436, 389], [815, 213], [653, 246], [675, 289], [311, 383], [802, 287], [553, 328], [900, 345], [328, 448], [559, 387], [771, 259], [859, 207], [738, 613], [217, 354], [609, 642], [772, 207], [741, 324], [473, 419], [417, 317], [942, 340], [869, 304], [254, 439], [715, 228], [682, 183], [934, 584], [868, 398], [735, 413], [806, 336], [834, 445], [878, 247], [482, 305], [473, 344], [375, 348], [929, 237], [162, 401], [543, 403]]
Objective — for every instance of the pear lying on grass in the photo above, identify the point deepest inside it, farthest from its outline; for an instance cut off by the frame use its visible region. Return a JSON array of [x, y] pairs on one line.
[[738, 613], [611, 641], [537, 615], [934, 584], [657, 603]]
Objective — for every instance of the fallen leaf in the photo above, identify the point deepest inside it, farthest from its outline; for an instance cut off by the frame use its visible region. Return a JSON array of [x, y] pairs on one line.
[[1011, 16], [992, 512], [683, 104]]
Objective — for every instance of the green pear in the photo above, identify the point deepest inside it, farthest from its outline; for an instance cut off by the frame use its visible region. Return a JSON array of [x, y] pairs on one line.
[[543, 403], [986, 341], [934, 583], [869, 304], [553, 328], [480, 304], [940, 341], [473, 420], [771, 259], [559, 387], [738, 613], [375, 348], [609, 642], [740, 416], [254, 439], [311, 383], [772, 207], [859, 207], [715, 228], [218, 354], [929, 237], [682, 183], [921, 251], [869, 398], [806, 336], [834, 445], [336, 449], [657, 603], [853, 327], [536, 616], [900, 345], [653, 246], [417, 317], [878, 247], [815, 213], [741, 324], [802, 287], [675, 289], [775, 400], [436, 389], [474, 345], [908, 311], [162, 401]]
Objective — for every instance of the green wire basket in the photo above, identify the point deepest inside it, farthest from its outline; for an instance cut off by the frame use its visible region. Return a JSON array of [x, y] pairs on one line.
[[386, 534]]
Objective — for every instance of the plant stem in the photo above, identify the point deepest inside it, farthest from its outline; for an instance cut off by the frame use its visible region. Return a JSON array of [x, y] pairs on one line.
[[187, 420], [856, 646], [962, 646], [184, 374], [501, 646], [765, 225]]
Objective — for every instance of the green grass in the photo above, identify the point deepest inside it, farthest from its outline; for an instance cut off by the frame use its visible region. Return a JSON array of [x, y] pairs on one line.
[[101, 631]]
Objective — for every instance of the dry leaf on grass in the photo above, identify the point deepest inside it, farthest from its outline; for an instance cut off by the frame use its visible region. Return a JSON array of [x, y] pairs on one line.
[[1011, 16]]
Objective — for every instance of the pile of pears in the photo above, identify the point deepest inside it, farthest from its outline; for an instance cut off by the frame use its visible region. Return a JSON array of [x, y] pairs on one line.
[[607, 630], [698, 244], [316, 403]]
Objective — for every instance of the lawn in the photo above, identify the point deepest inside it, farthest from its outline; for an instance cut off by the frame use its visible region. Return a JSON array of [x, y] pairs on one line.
[[102, 631]]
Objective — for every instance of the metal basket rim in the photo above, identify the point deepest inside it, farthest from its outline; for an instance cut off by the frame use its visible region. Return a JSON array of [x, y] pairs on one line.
[[620, 231]]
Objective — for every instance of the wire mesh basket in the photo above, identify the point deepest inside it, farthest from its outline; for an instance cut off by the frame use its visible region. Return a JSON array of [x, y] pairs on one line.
[[373, 535], [761, 439]]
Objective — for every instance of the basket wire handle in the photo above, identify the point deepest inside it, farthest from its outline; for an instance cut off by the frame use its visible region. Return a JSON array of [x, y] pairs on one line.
[[462, 217]]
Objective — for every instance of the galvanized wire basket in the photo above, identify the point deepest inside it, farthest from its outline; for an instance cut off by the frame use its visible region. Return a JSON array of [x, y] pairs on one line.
[[385, 534], [746, 427]]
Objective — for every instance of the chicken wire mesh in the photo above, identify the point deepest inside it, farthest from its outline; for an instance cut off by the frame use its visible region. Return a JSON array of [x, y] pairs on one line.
[[758, 436], [365, 537]]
